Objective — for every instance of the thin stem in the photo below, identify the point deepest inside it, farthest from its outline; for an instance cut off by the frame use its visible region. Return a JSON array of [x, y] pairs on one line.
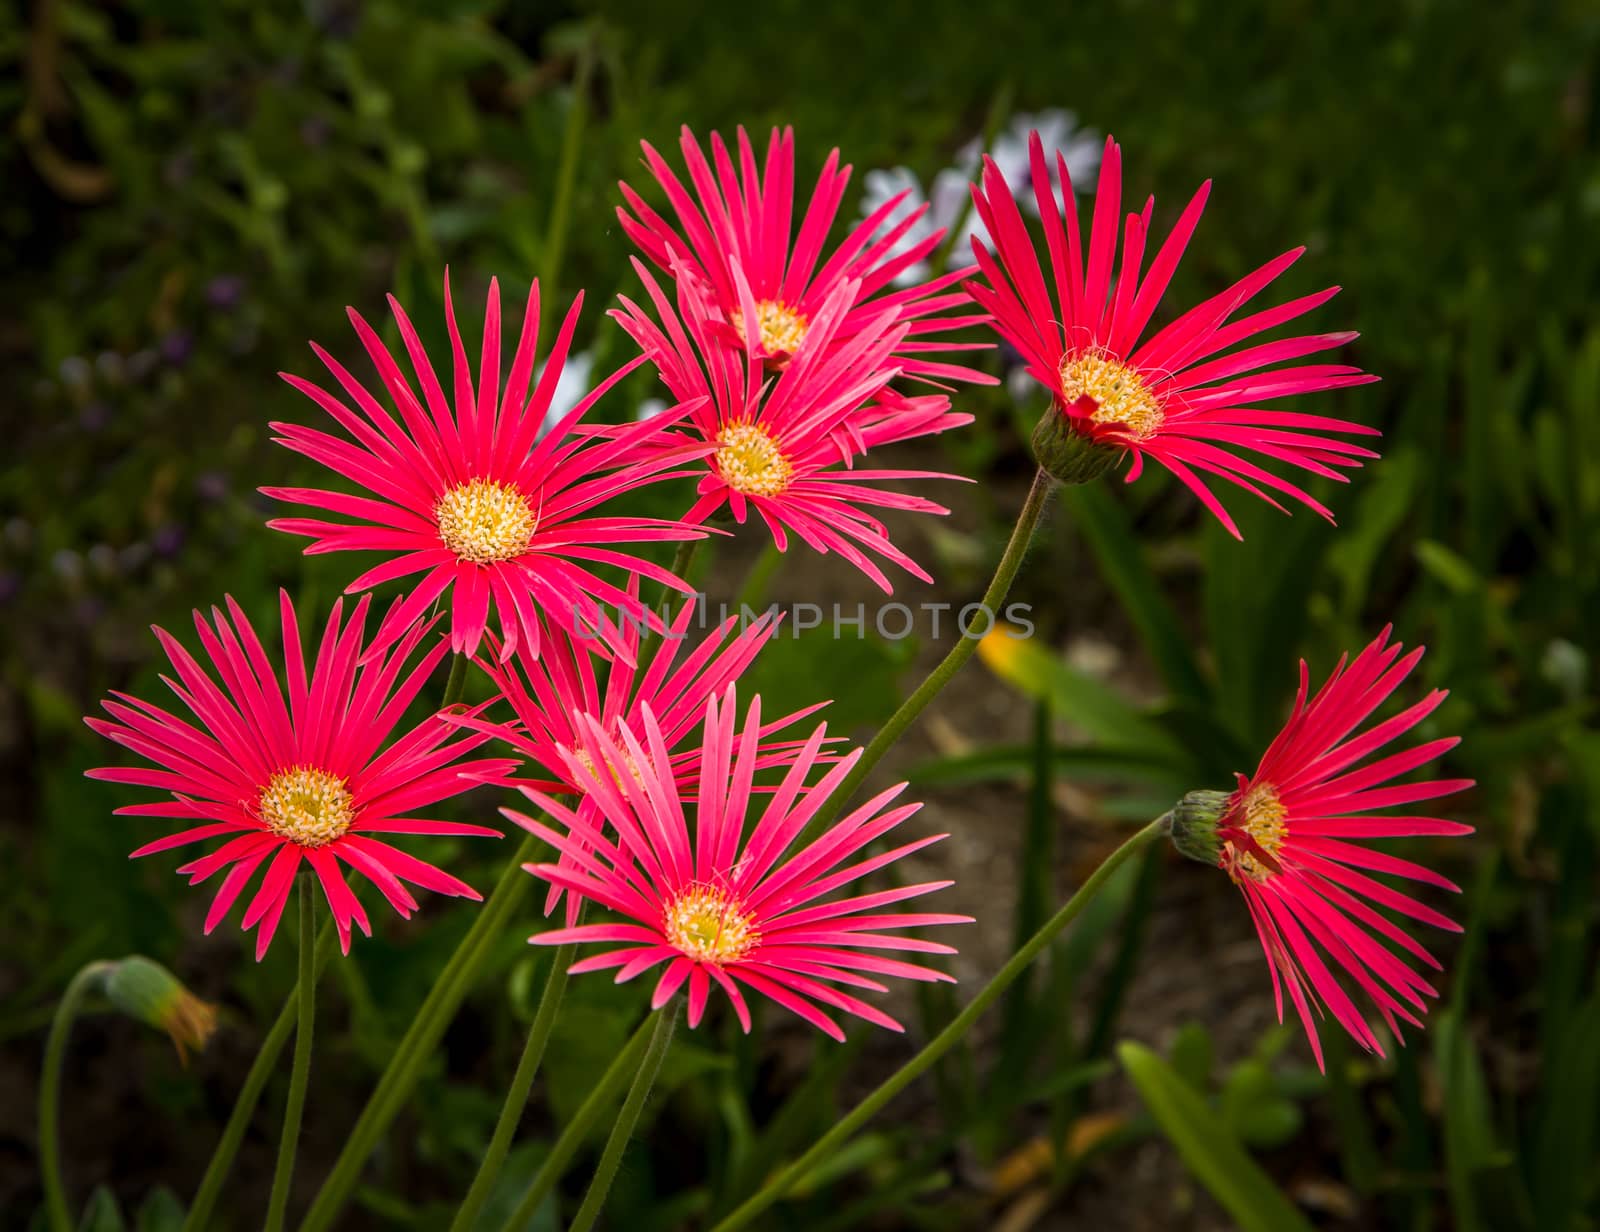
[[999, 586], [205, 1199], [55, 1051], [300, 1075], [681, 560], [577, 1129], [555, 986], [946, 1039], [555, 241], [457, 684], [600, 1186], [416, 1046], [754, 587]]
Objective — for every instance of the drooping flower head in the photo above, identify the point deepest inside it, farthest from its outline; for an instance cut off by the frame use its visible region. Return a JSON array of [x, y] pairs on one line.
[[1183, 396], [786, 445], [1295, 836], [737, 216], [724, 901], [473, 493], [549, 695], [294, 770]]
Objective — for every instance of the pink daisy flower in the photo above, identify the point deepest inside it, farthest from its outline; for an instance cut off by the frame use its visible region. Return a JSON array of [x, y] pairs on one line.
[[719, 903], [1294, 838], [299, 781], [476, 496], [739, 217], [785, 447], [550, 694], [1177, 396]]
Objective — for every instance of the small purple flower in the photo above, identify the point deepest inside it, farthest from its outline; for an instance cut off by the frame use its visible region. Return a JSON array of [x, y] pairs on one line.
[[225, 291], [94, 416], [211, 486], [10, 586], [168, 539], [177, 346]]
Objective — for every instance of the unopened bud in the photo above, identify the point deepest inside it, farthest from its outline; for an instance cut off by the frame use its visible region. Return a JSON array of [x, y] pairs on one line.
[[144, 989], [1194, 825], [1067, 454]]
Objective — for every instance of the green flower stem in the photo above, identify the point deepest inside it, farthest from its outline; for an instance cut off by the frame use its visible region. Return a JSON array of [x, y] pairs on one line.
[[55, 1051], [945, 1040], [555, 242], [417, 1045], [577, 1129], [611, 1157], [205, 1199], [300, 1075], [681, 560], [457, 684], [999, 586], [555, 986]]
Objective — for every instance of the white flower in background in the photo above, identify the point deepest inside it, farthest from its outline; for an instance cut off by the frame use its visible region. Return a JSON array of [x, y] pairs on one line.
[[1060, 134], [649, 409], [571, 386], [950, 203], [948, 207]]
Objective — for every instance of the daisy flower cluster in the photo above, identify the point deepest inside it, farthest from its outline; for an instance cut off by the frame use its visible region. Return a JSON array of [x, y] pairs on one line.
[[714, 841]]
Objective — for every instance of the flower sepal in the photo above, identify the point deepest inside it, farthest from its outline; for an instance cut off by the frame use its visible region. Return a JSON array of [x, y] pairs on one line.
[[1068, 455], [1195, 825]]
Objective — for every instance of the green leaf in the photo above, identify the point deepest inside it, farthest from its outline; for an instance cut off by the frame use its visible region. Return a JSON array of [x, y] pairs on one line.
[[1209, 1150], [102, 1213], [1256, 1109], [1192, 1055], [1469, 1145], [1380, 510], [161, 1212]]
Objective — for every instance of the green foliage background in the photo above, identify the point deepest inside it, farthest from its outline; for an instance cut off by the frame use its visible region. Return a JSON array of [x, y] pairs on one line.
[[192, 191]]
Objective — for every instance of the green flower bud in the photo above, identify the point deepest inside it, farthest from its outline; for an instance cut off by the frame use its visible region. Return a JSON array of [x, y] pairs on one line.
[[144, 989], [1067, 454], [1194, 825]]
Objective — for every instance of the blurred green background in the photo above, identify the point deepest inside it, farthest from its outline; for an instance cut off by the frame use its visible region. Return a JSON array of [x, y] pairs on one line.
[[193, 191]]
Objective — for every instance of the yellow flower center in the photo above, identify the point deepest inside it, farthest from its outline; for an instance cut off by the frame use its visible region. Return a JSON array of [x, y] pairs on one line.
[[750, 461], [782, 328], [306, 806], [1121, 395], [1261, 815], [483, 521], [705, 924], [588, 763]]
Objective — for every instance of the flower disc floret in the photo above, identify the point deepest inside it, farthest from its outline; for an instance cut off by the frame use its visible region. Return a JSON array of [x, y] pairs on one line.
[[781, 329], [707, 925], [1118, 391], [307, 806], [1261, 816], [485, 521], [751, 462]]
